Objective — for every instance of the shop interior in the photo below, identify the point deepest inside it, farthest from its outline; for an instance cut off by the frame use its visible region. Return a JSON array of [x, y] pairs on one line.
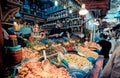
[[55, 38]]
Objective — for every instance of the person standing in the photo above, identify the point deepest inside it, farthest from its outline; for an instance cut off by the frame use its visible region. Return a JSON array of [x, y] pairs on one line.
[[106, 46], [112, 68], [57, 33]]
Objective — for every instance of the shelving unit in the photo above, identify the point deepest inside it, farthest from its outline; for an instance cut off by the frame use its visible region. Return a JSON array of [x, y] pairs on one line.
[[68, 20], [58, 15]]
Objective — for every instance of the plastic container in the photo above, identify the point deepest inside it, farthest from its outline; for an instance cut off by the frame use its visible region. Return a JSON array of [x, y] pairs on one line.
[[91, 59], [13, 40], [77, 73], [14, 54], [15, 48]]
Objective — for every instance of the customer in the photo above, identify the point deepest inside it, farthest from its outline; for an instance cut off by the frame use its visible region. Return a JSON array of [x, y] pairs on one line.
[[57, 33], [106, 46], [112, 69]]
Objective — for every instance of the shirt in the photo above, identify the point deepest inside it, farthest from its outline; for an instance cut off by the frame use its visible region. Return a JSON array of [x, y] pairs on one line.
[[55, 31], [106, 46]]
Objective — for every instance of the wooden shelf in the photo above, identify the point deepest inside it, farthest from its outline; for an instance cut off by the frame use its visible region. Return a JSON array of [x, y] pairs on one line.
[[76, 26], [74, 18], [55, 12], [11, 24], [57, 19], [27, 14]]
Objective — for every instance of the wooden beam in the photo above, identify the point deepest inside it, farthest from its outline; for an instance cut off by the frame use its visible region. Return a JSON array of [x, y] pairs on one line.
[[40, 19], [91, 4], [99, 6], [15, 3], [9, 8], [0, 12], [1, 44], [10, 14], [1, 51], [78, 2]]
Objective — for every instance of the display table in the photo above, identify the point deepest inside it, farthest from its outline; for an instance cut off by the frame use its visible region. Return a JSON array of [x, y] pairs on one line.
[[98, 68]]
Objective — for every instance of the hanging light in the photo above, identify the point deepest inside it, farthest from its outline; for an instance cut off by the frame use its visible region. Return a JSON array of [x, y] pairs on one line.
[[15, 23], [96, 22], [83, 10], [64, 7], [56, 3], [70, 10]]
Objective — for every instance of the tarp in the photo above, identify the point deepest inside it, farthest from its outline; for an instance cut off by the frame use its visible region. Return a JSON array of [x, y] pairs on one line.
[[25, 30]]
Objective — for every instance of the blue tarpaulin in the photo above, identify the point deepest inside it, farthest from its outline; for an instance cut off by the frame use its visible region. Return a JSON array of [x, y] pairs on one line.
[[25, 30]]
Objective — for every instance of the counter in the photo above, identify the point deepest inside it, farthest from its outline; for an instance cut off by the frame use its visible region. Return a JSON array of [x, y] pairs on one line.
[[98, 68]]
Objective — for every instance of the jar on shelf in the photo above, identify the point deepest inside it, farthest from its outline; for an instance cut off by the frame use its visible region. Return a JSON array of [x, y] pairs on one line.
[[13, 40]]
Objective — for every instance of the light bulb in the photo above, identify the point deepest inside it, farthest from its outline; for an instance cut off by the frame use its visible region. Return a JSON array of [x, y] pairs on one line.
[[64, 7], [70, 11], [96, 22], [56, 3], [15, 23], [83, 12]]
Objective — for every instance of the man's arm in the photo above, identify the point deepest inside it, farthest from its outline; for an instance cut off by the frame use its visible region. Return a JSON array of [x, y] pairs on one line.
[[54, 35]]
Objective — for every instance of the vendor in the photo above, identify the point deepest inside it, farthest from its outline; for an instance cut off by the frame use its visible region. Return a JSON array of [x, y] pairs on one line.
[[35, 32], [58, 33]]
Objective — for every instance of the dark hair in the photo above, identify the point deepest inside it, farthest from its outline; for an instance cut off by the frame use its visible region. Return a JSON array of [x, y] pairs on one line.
[[69, 30], [105, 36]]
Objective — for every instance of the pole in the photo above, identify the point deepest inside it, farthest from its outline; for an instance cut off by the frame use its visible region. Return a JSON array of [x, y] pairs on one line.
[[1, 51]]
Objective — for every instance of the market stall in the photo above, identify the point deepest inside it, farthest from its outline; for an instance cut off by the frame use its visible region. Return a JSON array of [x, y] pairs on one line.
[[76, 62], [98, 68], [30, 50]]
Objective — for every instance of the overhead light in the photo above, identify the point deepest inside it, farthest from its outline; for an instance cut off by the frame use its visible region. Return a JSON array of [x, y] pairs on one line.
[[70, 11], [15, 23], [96, 22], [64, 7], [56, 3], [83, 10]]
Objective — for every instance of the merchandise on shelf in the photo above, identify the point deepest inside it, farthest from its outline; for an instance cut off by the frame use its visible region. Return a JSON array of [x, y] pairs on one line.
[[68, 20], [57, 16]]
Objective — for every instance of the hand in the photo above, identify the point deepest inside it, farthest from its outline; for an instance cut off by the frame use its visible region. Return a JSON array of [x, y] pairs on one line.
[[56, 35]]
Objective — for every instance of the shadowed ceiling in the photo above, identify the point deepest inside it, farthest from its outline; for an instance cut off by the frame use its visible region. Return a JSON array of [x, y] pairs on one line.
[[102, 5]]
